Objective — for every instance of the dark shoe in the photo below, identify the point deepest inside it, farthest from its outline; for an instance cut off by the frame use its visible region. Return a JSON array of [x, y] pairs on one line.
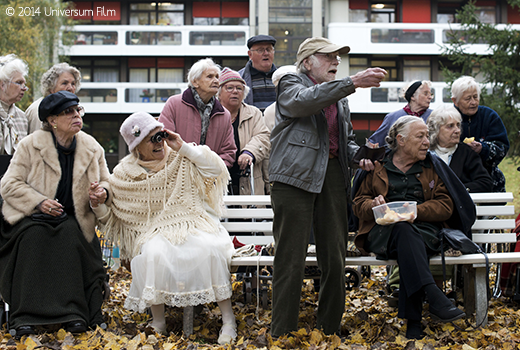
[[25, 330], [76, 327], [448, 314]]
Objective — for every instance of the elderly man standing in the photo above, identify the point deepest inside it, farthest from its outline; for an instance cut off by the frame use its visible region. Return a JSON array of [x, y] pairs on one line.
[[312, 145], [259, 70]]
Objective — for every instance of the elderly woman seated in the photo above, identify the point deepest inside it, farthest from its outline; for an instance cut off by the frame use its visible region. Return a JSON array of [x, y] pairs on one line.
[[251, 133], [167, 197], [410, 173], [51, 266], [444, 127]]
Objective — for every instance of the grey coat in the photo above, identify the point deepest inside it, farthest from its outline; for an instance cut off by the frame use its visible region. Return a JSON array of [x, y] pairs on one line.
[[300, 140]]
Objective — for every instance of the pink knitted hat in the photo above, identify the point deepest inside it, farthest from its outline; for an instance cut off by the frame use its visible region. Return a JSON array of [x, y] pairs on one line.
[[228, 75]]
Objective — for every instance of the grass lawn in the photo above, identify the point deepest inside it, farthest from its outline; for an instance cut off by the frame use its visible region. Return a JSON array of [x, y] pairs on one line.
[[508, 167]]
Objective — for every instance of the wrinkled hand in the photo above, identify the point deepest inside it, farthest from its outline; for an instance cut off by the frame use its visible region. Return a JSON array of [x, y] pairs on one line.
[[476, 146], [51, 207], [378, 201], [370, 77], [97, 194], [366, 164], [174, 140], [244, 160]]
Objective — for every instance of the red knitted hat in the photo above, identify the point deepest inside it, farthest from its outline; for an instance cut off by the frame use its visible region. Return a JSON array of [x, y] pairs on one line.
[[228, 75]]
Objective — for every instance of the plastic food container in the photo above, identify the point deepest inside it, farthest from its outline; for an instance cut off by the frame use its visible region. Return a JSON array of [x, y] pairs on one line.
[[393, 212]]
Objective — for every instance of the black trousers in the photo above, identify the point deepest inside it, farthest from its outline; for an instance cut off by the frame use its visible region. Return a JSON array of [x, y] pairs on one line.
[[408, 247]]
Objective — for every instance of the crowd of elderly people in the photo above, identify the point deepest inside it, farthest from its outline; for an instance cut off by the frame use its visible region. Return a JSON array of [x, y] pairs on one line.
[[163, 201]]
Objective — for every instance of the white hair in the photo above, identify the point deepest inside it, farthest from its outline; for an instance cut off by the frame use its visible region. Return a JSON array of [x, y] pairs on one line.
[[50, 77], [405, 88], [9, 65], [401, 127], [313, 61], [199, 67], [440, 117], [463, 84]]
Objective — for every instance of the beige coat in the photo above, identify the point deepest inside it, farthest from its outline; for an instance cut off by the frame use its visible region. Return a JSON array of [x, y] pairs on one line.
[[254, 137], [35, 171]]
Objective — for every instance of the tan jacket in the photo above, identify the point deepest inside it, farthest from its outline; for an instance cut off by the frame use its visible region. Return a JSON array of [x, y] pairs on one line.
[[35, 171], [254, 137]]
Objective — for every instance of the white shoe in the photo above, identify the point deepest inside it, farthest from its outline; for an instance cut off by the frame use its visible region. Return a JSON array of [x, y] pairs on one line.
[[228, 333]]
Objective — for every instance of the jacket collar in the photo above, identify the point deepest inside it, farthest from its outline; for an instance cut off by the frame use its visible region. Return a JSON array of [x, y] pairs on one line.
[[188, 98]]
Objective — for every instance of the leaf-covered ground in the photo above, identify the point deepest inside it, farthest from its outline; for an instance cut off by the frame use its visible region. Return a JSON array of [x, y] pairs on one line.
[[368, 323]]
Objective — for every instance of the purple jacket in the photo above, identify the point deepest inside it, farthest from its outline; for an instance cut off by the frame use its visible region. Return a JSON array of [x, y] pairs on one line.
[[181, 115]]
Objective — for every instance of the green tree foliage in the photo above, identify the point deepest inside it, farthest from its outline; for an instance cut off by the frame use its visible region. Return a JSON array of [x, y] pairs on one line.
[[500, 69], [32, 35]]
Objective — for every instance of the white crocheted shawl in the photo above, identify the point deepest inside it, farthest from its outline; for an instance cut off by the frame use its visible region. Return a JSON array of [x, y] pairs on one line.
[[169, 202]]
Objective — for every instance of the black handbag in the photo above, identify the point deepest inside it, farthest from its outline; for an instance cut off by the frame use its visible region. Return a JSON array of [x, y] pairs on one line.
[[49, 219], [373, 154], [456, 239]]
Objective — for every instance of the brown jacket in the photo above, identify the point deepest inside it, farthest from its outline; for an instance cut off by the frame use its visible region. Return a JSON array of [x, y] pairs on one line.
[[438, 205]]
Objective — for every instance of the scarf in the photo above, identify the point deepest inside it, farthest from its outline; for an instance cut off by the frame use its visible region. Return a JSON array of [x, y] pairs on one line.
[[170, 202], [408, 111], [445, 153], [205, 113], [8, 134]]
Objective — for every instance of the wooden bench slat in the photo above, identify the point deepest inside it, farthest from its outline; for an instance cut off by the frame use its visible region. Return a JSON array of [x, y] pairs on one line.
[[495, 210], [485, 224], [248, 226], [248, 200], [480, 238], [256, 240], [258, 213], [493, 197]]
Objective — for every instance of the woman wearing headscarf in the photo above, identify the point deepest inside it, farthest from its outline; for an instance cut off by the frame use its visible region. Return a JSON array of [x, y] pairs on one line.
[[51, 266], [60, 77], [198, 116], [167, 199], [14, 125], [419, 95]]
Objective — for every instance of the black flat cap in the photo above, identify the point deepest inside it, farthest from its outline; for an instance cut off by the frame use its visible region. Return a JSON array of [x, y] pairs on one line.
[[56, 103], [260, 39]]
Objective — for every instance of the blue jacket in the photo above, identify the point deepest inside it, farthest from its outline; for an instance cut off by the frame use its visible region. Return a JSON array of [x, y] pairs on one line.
[[488, 129], [379, 135]]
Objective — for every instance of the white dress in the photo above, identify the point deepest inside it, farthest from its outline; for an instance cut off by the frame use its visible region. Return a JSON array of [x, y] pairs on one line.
[[193, 273]]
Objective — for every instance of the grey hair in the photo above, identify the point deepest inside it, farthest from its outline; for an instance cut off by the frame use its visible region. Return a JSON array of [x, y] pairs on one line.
[[46, 126], [401, 127], [439, 117], [198, 68], [463, 84], [9, 65], [313, 60], [50, 77], [246, 90], [405, 88]]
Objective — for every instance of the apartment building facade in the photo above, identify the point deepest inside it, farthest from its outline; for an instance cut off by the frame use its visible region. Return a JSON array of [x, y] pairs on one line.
[[133, 55]]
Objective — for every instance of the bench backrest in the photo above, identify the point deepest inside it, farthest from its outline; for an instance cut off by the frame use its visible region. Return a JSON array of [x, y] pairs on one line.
[[488, 228]]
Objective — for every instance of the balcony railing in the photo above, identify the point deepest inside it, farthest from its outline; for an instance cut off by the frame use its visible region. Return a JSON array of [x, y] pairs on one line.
[[133, 40], [126, 98], [399, 38]]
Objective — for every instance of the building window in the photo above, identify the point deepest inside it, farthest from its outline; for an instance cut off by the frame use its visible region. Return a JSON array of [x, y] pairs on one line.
[[98, 71], [153, 38], [416, 69], [217, 38], [290, 22], [221, 13], [383, 12], [164, 13]]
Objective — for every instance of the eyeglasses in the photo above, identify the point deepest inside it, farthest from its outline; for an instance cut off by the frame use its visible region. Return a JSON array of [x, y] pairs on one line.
[[20, 85], [71, 112], [231, 88], [330, 57], [261, 51]]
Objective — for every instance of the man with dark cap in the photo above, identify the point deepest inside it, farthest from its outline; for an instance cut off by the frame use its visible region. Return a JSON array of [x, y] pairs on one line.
[[259, 70], [309, 172], [419, 95]]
